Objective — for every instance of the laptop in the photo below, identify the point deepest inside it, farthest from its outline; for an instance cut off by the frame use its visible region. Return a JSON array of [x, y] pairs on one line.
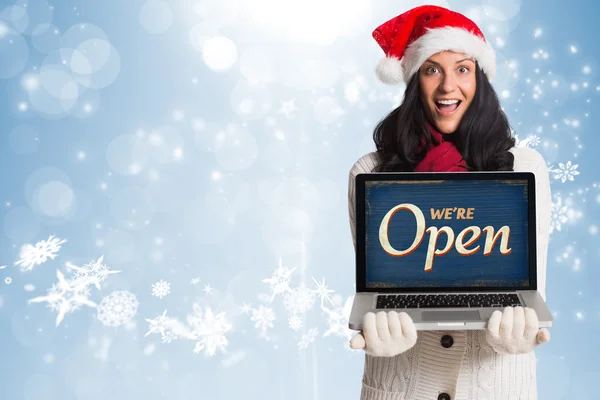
[[447, 248]]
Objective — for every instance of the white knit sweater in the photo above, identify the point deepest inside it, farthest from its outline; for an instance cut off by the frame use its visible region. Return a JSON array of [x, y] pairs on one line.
[[470, 369]]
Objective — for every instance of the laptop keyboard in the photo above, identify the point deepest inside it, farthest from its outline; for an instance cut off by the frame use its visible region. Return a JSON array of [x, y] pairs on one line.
[[447, 300]]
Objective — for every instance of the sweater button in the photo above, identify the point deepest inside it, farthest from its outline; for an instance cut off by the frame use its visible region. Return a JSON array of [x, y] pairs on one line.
[[444, 396], [447, 341]]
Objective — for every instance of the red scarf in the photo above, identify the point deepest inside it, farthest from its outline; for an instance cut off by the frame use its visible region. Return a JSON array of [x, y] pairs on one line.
[[443, 157]]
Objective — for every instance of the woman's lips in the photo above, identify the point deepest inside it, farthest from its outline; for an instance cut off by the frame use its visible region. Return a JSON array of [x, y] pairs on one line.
[[449, 111]]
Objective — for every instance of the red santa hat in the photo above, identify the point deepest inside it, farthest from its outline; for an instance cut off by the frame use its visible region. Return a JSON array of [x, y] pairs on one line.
[[409, 39]]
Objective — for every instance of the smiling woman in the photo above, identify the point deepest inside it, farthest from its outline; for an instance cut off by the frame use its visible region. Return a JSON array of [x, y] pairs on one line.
[[448, 85], [450, 120]]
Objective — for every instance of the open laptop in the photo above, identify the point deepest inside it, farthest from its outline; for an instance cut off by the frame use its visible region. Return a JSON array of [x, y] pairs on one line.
[[447, 248]]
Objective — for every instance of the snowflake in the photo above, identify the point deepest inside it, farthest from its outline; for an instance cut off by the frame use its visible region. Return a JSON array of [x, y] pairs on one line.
[[299, 300], [195, 281], [564, 172], [322, 291], [337, 319], [287, 108], [92, 273], [308, 338], [295, 322], [530, 141], [207, 289], [246, 308], [558, 213], [31, 256], [263, 318], [208, 330], [162, 325], [161, 288], [8, 280], [280, 281], [117, 308], [65, 297]]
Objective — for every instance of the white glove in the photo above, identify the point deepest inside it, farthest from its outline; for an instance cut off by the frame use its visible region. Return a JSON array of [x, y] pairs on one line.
[[515, 331], [385, 334]]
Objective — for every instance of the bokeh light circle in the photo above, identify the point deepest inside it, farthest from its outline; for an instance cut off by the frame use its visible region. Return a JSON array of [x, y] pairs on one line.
[[39, 12], [45, 38], [14, 52], [219, 53], [127, 154], [55, 198], [156, 16], [164, 144]]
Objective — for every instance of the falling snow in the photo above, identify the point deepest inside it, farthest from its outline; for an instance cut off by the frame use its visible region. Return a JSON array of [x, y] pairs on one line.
[[565, 172], [208, 329], [117, 308], [280, 281], [161, 288], [33, 255], [263, 318], [308, 338], [65, 296]]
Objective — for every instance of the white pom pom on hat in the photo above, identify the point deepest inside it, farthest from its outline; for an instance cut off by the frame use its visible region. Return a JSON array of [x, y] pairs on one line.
[[389, 70]]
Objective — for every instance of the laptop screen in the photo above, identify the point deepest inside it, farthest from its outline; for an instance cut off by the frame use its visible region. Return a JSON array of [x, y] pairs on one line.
[[446, 233]]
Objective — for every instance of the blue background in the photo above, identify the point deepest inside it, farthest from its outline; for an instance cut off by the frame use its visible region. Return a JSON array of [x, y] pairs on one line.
[[494, 204], [264, 139]]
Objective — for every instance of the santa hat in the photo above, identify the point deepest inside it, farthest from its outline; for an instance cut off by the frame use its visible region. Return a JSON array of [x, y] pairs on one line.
[[409, 39]]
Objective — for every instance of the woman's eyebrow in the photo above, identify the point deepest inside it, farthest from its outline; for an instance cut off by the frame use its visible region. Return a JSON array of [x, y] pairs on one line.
[[459, 61]]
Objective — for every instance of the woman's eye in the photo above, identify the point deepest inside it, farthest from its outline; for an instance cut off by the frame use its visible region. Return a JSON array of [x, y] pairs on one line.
[[430, 70], [464, 69]]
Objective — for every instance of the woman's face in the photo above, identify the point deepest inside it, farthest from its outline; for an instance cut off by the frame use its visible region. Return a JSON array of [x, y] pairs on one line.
[[447, 77]]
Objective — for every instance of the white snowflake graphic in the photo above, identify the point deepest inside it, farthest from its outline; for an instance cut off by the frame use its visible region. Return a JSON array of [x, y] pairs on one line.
[[65, 296], [208, 330], [559, 213], [280, 281], [529, 141], [117, 308], [308, 338], [299, 300], [565, 172], [31, 255], [8, 280], [168, 328], [246, 308], [263, 318], [295, 322], [322, 291], [93, 273], [159, 325], [161, 288], [337, 319]]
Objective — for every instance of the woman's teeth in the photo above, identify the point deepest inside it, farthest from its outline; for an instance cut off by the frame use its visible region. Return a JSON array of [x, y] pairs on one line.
[[447, 105]]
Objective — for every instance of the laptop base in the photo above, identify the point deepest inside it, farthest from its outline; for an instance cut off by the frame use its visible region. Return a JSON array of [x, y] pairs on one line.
[[447, 318]]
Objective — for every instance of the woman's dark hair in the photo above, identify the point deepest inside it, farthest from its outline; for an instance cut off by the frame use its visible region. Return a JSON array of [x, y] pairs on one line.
[[483, 136]]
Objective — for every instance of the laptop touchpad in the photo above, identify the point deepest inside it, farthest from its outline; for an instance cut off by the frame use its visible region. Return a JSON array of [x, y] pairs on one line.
[[450, 316]]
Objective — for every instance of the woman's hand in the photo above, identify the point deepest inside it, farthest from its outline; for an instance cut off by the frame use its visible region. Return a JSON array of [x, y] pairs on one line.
[[515, 331], [385, 334]]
